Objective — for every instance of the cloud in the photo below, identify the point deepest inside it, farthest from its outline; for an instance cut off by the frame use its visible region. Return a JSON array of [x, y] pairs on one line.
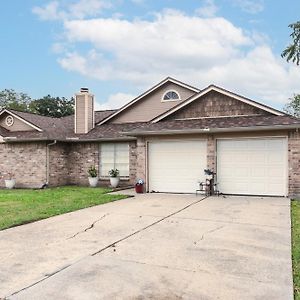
[[62, 10], [197, 50], [140, 50], [115, 101], [249, 6], [208, 10], [49, 11]]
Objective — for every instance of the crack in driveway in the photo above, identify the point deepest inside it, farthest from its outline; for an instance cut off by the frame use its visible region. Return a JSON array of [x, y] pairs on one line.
[[88, 228], [110, 245], [211, 231]]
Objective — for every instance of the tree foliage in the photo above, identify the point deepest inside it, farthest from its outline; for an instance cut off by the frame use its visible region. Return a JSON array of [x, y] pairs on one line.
[[292, 52], [52, 106], [46, 106], [11, 99], [293, 107]]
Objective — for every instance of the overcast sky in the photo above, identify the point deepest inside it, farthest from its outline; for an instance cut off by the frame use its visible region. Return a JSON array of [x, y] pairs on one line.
[[120, 48]]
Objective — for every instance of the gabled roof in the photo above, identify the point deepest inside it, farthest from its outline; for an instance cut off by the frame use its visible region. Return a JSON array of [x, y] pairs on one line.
[[166, 80], [222, 91], [24, 117]]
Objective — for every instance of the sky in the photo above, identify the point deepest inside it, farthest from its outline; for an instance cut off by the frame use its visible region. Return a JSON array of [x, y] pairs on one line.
[[120, 48]]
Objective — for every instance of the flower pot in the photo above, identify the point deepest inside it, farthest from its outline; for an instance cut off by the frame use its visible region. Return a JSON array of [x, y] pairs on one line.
[[139, 188], [114, 181], [10, 183], [93, 181]]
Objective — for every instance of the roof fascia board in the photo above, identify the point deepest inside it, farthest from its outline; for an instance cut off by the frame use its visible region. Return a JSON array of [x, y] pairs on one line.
[[21, 119], [14, 139], [222, 91], [168, 79], [212, 130], [127, 138]]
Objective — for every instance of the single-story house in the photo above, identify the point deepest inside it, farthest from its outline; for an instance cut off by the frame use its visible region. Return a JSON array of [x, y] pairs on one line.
[[166, 136]]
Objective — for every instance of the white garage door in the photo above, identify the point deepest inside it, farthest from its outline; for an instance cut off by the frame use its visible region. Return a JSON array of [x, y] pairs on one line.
[[176, 166], [252, 166]]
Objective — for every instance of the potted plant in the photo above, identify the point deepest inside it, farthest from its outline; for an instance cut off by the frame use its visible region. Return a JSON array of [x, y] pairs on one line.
[[114, 177], [93, 176], [10, 182], [139, 186]]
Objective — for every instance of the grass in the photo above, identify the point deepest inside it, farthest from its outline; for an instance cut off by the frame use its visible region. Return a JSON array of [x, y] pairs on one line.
[[24, 206], [295, 206]]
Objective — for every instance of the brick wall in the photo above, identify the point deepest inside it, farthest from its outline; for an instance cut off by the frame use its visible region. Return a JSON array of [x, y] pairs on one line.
[[141, 159], [294, 163], [81, 157], [58, 166], [27, 161], [69, 162]]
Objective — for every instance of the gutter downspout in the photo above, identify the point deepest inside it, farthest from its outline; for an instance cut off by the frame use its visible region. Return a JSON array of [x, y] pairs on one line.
[[48, 161]]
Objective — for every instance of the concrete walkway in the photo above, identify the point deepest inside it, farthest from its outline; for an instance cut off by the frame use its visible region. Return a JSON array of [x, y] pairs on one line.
[[153, 246]]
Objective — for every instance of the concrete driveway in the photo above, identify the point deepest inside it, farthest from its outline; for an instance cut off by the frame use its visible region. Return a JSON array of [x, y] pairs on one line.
[[153, 246]]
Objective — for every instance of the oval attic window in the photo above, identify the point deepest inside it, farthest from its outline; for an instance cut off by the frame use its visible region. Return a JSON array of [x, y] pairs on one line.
[[9, 121]]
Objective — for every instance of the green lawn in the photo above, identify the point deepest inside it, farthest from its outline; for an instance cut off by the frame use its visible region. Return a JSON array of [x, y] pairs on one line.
[[24, 206], [296, 246]]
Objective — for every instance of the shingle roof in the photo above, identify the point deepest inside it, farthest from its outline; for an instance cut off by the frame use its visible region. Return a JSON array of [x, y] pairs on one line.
[[52, 128], [218, 123], [63, 128]]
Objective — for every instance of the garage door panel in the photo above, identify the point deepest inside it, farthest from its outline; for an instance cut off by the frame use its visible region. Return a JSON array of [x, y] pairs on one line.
[[252, 166], [176, 166]]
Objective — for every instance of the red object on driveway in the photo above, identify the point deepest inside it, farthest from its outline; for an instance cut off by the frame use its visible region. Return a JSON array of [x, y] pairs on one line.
[[139, 188]]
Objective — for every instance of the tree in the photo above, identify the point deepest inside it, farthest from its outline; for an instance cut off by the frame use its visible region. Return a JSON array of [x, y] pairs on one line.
[[52, 106], [11, 99], [292, 52], [293, 107]]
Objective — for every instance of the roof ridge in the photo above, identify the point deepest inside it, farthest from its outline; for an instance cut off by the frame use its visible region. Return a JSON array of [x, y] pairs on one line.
[[30, 113], [101, 110]]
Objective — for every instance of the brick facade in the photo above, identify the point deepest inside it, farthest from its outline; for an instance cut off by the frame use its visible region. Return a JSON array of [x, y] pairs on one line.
[[294, 163], [58, 164], [68, 163], [141, 152], [81, 157], [27, 161]]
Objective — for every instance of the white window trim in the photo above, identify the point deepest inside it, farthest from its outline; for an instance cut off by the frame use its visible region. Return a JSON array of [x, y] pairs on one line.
[[106, 177], [7, 121], [170, 100]]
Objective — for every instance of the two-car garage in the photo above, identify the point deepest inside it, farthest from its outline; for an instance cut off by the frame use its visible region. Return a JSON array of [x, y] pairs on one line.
[[249, 166]]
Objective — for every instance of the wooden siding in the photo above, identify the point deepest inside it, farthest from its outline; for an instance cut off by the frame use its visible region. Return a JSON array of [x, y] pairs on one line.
[[17, 126], [90, 109], [151, 105], [215, 104], [80, 114]]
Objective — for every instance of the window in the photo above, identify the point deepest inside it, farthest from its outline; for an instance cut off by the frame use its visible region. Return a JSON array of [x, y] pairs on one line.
[[171, 96], [114, 156], [9, 121]]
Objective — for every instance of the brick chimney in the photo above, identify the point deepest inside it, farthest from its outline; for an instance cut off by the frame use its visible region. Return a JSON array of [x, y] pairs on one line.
[[84, 111]]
